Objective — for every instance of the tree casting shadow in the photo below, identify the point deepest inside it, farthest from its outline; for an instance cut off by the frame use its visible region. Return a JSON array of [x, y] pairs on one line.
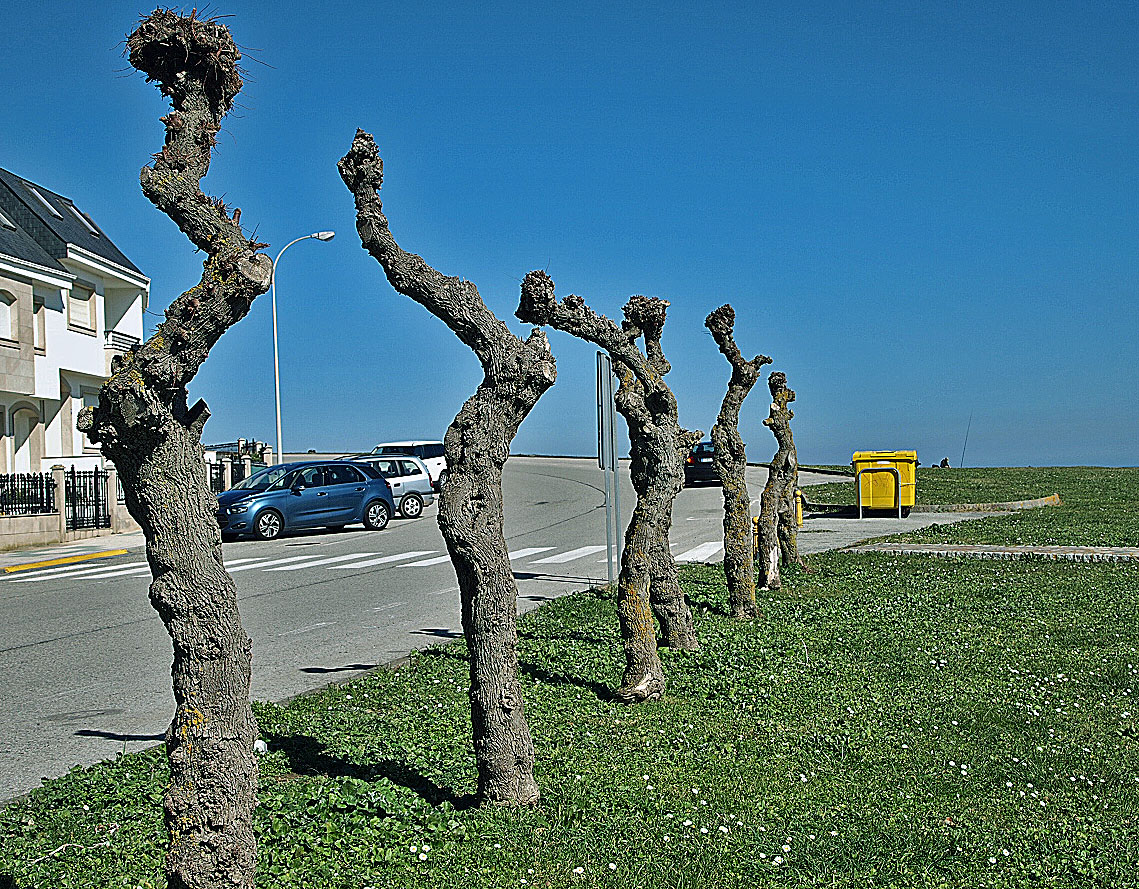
[[603, 692], [308, 756]]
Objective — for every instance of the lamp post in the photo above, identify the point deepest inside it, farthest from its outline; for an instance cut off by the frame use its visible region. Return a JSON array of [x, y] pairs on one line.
[[320, 236]]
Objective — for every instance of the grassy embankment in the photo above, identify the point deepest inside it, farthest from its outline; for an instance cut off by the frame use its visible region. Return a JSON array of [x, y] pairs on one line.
[[889, 721]]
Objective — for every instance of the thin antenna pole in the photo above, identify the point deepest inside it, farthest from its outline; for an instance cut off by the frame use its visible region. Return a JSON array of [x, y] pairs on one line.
[[968, 426]]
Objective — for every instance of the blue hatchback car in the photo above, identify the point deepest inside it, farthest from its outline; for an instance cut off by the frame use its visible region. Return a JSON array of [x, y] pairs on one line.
[[305, 495]]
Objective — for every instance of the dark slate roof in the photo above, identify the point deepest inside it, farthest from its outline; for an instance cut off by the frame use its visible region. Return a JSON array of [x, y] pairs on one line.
[[53, 233], [18, 243]]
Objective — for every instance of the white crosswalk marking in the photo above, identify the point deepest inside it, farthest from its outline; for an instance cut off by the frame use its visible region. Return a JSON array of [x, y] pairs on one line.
[[329, 560], [438, 560], [578, 553], [116, 571], [383, 560], [529, 551], [702, 552], [263, 564], [70, 569]]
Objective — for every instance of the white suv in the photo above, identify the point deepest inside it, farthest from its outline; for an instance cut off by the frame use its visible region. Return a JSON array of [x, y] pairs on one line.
[[430, 452]]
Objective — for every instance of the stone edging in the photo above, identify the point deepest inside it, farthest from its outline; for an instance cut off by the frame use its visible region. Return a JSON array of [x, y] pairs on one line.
[[1008, 506], [992, 551]]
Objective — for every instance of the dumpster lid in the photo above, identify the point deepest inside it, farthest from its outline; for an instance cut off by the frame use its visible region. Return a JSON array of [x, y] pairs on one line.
[[893, 456]]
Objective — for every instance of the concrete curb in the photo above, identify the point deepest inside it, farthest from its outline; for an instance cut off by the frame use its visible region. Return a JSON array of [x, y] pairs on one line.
[[1006, 553], [1007, 506]]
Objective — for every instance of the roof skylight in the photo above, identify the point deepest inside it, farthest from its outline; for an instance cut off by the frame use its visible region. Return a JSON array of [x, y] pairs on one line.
[[6, 222], [36, 194], [82, 217]]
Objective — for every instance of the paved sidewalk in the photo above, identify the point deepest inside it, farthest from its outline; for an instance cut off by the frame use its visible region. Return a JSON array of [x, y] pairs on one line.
[[129, 541], [988, 551]]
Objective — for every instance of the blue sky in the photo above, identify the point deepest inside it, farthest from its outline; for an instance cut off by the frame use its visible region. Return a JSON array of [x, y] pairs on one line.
[[921, 211]]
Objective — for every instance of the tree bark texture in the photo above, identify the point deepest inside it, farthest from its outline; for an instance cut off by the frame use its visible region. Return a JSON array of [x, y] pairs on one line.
[[144, 426], [730, 460], [648, 582], [515, 374], [778, 532]]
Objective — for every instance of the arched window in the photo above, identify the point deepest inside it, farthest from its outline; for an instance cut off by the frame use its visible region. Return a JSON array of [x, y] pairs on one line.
[[9, 328]]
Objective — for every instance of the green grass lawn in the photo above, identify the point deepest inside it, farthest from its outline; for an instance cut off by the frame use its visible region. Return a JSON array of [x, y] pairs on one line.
[[888, 721]]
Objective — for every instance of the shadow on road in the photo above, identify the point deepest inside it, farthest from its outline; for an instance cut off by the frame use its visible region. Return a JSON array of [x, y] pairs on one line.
[[347, 668], [113, 736], [308, 756], [440, 632]]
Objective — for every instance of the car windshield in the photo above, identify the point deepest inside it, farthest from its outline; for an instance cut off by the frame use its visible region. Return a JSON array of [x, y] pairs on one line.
[[703, 449], [263, 480]]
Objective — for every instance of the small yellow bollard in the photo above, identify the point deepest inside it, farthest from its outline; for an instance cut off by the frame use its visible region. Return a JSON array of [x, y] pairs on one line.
[[799, 507]]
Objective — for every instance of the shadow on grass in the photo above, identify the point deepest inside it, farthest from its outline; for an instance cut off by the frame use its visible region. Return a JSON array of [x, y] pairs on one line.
[[308, 756], [7, 881], [602, 691]]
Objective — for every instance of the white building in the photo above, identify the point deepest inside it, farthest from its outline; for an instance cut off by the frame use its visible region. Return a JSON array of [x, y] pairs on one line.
[[69, 301]]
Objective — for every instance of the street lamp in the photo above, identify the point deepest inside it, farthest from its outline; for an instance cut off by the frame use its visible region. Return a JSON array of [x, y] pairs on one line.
[[320, 236]]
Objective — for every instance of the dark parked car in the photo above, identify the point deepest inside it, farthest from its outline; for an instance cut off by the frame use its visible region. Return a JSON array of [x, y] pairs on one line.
[[698, 467], [305, 495]]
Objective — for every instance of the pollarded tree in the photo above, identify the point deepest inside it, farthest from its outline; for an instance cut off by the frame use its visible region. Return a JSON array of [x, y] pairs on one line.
[[515, 374], [777, 521], [648, 582], [143, 424], [730, 460]]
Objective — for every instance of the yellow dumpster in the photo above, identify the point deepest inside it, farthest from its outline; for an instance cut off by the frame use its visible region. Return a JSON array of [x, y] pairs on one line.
[[885, 480]]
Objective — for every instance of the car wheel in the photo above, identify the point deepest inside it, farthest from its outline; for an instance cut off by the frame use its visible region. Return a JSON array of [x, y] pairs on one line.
[[269, 525], [376, 515], [411, 506], [443, 476]]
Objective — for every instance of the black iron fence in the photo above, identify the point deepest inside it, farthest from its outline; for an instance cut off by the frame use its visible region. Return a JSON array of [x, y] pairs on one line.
[[86, 504], [217, 477], [30, 493], [238, 471]]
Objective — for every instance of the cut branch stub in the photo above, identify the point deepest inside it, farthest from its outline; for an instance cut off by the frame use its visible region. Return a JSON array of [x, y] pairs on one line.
[[730, 460], [648, 582], [515, 374], [142, 424]]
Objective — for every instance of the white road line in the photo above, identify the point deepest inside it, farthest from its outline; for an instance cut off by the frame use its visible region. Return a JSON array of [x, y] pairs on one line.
[[438, 560], [326, 560], [326, 623], [117, 571], [70, 569], [702, 552], [389, 606], [382, 560], [529, 551], [267, 564], [578, 553]]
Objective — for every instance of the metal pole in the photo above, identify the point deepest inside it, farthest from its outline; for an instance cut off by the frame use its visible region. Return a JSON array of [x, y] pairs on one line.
[[320, 236], [616, 462], [603, 457]]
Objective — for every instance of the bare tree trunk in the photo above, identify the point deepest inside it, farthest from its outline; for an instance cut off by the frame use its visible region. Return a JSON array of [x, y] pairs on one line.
[[477, 444], [144, 426], [730, 460], [648, 583], [780, 487]]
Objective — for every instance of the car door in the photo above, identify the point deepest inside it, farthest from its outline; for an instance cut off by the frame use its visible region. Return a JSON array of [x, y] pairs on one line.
[[308, 498], [346, 489], [413, 477]]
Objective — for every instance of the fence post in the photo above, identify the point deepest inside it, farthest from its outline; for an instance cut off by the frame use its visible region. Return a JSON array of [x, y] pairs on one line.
[[247, 464], [111, 495], [227, 473], [57, 476]]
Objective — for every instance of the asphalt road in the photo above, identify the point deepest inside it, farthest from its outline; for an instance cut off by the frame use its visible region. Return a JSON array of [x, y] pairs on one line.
[[86, 662]]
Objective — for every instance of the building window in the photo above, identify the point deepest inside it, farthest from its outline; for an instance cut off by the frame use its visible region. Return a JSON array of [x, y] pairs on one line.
[[9, 319], [39, 324], [6, 222], [81, 308], [83, 220], [39, 197]]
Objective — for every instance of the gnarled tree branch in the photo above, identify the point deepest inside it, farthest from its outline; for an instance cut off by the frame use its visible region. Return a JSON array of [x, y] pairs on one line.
[[648, 583], [515, 374], [143, 425], [730, 460], [777, 521]]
